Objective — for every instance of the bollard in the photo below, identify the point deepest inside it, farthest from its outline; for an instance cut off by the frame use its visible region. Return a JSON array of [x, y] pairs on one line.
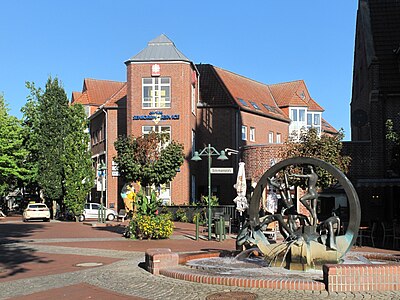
[[197, 228], [221, 228]]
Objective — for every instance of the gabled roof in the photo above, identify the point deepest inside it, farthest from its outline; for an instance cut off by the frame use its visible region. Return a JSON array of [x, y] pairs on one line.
[[120, 94], [159, 49], [232, 89], [212, 90], [81, 98], [287, 93], [294, 93], [328, 128], [75, 96], [314, 106], [250, 94], [96, 92]]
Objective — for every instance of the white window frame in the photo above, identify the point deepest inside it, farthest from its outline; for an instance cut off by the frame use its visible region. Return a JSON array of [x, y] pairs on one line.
[[146, 129], [298, 116], [302, 115], [193, 98], [271, 137], [293, 114], [278, 138], [157, 87], [252, 134], [244, 133], [316, 121]]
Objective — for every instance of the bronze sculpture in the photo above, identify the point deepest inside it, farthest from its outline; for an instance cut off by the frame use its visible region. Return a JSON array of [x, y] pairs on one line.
[[307, 243]]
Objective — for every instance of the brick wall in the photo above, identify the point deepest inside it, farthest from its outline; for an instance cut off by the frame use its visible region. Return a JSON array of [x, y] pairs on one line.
[[181, 129], [359, 278], [258, 159]]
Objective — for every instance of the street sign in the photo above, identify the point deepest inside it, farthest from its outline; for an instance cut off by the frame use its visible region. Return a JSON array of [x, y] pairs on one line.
[[221, 170], [114, 169]]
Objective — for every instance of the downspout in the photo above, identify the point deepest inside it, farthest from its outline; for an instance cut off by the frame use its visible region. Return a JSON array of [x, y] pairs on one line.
[[193, 193], [238, 136], [106, 154]]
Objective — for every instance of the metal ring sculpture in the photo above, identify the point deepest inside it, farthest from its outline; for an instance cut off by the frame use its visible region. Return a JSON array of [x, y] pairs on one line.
[[303, 249]]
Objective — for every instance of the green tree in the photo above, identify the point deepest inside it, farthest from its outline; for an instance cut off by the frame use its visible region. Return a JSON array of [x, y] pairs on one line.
[[53, 110], [12, 152], [143, 159], [325, 147], [78, 170], [30, 123], [58, 145]]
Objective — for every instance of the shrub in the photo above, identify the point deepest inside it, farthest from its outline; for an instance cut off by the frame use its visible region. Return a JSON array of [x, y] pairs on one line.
[[165, 211], [151, 226], [181, 215], [213, 202], [147, 222]]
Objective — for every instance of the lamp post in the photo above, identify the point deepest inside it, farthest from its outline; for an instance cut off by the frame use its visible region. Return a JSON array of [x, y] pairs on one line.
[[209, 152], [101, 173]]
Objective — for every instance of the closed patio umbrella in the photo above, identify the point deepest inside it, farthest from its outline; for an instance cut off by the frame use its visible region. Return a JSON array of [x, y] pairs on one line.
[[240, 186]]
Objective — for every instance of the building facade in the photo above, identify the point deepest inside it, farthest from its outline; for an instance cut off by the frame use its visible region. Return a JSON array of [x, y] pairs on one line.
[[197, 105], [375, 99]]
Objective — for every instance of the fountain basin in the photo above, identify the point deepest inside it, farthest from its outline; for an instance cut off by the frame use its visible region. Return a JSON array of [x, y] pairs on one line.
[[375, 272]]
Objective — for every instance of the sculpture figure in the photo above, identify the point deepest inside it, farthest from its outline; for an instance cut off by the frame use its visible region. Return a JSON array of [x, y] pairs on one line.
[[306, 243], [311, 194], [327, 231]]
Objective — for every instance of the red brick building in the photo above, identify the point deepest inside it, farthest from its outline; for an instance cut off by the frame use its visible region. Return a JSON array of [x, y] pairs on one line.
[[195, 105], [375, 99]]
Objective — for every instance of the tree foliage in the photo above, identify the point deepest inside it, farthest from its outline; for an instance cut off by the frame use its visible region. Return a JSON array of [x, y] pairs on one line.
[[79, 174], [12, 152], [325, 147], [394, 137], [58, 145], [143, 159]]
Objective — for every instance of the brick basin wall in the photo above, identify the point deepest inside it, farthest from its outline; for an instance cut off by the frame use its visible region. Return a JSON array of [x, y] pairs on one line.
[[362, 277], [157, 259], [336, 277]]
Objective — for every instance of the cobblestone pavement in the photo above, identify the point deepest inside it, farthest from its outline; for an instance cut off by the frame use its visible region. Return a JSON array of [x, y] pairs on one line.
[[126, 277]]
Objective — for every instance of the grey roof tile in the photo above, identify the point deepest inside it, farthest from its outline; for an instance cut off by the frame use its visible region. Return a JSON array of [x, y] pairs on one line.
[[158, 49]]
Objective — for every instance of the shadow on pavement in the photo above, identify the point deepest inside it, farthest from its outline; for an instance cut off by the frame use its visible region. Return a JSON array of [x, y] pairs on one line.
[[13, 254], [115, 229]]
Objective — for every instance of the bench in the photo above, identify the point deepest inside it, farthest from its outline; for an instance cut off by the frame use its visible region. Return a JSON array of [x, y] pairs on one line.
[[121, 215]]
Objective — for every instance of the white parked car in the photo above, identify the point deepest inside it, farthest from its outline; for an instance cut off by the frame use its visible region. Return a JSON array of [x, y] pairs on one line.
[[91, 211], [36, 211]]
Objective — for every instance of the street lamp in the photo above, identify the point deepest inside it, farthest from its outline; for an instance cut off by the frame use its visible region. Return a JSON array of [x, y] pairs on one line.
[[209, 151], [102, 173]]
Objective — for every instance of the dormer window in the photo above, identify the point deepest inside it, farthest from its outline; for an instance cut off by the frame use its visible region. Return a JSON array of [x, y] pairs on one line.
[[244, 103], [255, 105]]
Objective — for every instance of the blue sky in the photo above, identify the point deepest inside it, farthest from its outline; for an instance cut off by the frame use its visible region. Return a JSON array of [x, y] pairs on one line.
[[267, 40]]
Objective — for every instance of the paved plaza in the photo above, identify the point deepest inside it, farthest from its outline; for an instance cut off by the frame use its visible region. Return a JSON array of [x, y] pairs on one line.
[[67, 260]]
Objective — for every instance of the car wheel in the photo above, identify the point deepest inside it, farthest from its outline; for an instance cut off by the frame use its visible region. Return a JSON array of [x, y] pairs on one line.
[[110, 217], [81, 218], [47, 220], [24, 220]]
